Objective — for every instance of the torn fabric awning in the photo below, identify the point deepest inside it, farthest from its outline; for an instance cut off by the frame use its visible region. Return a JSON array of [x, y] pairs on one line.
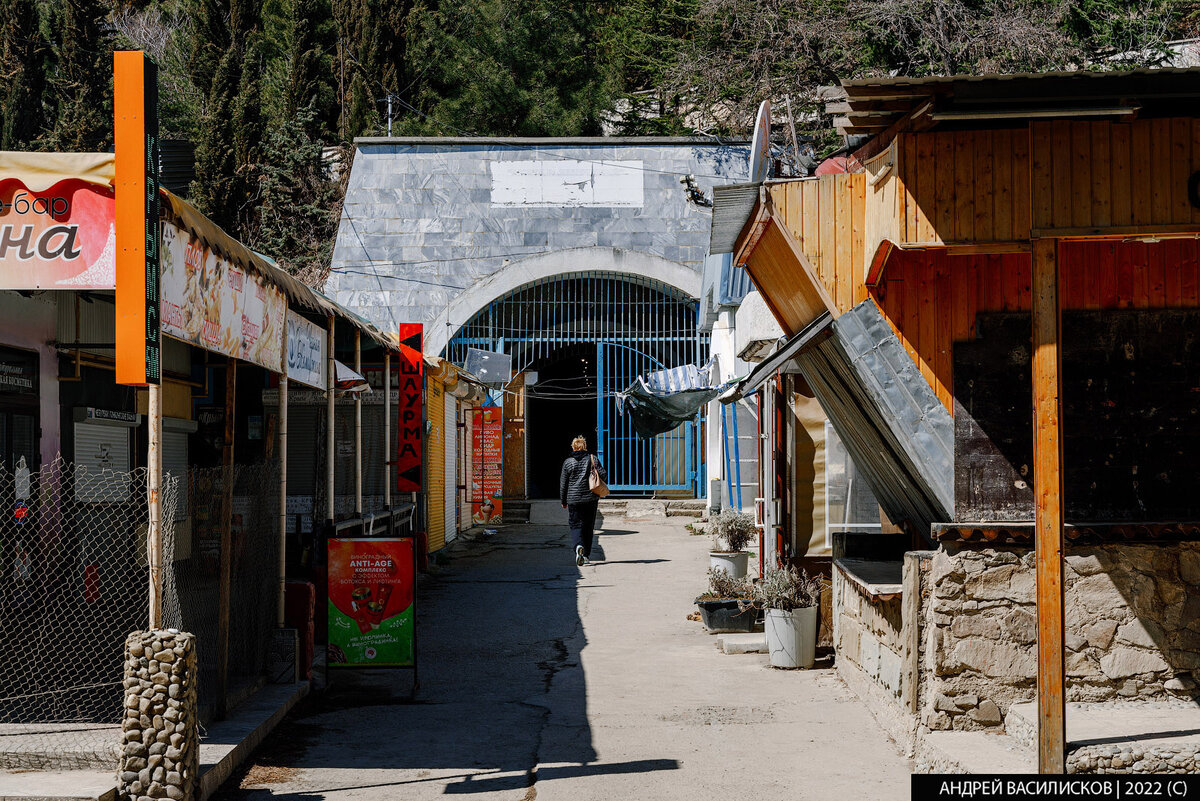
[[347, 380]]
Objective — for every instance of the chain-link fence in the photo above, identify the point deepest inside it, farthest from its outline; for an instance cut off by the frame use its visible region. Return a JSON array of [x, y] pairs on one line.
[[73, 584], [192, 587]]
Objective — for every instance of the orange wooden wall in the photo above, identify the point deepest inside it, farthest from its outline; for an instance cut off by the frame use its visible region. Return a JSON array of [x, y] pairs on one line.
[[931, 299], [963, 186], [1089, 175], [825, 216]]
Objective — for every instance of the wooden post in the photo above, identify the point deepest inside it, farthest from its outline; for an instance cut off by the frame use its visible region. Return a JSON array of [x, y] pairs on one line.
[[1048, 511], [330, 422], [226, 540], [154, 541], [387, 431], [283, 428], [358, 464]]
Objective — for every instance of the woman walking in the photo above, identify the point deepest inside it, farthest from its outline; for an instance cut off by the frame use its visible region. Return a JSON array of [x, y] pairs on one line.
[[577, 497]]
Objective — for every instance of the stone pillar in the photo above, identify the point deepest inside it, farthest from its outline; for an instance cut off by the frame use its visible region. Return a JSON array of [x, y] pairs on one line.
[[161, 736]]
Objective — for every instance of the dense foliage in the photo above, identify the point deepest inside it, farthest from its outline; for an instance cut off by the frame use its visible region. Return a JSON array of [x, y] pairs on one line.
[[270, 91]]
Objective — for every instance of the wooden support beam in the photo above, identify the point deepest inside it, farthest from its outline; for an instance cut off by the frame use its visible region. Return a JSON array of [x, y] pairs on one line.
[[223, 592], [1048, 511]]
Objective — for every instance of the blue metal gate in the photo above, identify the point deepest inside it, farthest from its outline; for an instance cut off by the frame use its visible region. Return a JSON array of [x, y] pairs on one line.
[[636, 325], [665, 463]]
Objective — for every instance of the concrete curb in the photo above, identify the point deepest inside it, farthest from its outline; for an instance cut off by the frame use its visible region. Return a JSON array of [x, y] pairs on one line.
[[229, 742]]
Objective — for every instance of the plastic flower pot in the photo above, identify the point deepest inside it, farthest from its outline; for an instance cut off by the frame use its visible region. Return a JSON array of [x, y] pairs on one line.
[[792, 637], [732, 563], [726, 616]]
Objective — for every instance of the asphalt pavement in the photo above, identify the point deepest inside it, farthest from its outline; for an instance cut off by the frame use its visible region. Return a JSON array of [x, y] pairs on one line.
[[542, 680]]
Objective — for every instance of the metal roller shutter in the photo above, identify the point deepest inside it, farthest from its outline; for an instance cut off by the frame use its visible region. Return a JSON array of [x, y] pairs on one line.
[[435, 482], [102, 463]]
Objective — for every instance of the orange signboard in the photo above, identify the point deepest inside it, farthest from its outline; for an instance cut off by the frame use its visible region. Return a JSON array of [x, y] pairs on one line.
[[135, 130]]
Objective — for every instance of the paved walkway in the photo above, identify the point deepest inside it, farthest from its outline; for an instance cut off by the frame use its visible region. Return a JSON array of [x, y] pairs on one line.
[[544, 681]]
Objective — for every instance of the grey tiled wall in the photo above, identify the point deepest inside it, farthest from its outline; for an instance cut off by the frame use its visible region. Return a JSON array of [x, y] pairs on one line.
[[419, 227]]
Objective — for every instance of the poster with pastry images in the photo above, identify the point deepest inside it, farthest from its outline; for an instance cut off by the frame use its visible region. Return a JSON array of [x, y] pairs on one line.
[[215, 304]]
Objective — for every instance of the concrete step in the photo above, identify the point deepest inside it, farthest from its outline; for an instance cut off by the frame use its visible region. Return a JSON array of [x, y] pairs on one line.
[[58, 785], [972, 752], [65, 747], [753, 643], [1133, 737], [516, 511]]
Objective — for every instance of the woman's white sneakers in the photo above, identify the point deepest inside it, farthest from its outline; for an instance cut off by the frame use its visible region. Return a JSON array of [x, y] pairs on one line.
[[579, 557]]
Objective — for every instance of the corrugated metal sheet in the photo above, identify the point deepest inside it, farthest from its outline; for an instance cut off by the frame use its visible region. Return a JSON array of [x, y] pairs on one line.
[[435, 414], [732, 205], [898, 433], [176, 165]]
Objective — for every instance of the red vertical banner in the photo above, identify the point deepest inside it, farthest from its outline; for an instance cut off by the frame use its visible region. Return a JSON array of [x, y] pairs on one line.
[[487, 465], [412, 409]]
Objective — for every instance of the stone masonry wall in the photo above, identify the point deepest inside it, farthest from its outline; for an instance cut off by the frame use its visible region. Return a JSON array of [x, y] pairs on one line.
[[421, 224], [161, 752], [869, 634], [1132, 628]]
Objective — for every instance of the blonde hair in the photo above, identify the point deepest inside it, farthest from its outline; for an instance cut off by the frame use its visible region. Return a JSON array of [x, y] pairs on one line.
[[579, 443]]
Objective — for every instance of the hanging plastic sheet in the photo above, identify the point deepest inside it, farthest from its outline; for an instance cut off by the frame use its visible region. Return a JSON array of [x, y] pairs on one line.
[[656, 412]]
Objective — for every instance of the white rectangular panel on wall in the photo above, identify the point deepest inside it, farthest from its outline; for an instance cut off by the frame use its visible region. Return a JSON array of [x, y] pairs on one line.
[[102, 459], [568, 183], [175, 463]]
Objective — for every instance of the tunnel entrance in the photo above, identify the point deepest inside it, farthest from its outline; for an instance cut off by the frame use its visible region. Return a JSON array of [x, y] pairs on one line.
[[559, 406], [588, 336]]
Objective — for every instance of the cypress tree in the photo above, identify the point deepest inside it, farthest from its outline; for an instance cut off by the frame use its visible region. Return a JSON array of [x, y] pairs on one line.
[[312, 39], [81, 79], [23, 57]]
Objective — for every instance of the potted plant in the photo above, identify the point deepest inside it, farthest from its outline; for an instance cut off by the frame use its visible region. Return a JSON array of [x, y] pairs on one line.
[[728, 606], [791, 598], [731, 532]]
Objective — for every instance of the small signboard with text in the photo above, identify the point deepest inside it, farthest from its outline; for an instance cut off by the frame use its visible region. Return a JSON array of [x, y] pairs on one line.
[[307, 362], [487, 465], [372, 607]]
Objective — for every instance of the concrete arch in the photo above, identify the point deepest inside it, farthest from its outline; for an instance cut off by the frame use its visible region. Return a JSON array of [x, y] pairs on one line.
[[544, 265]]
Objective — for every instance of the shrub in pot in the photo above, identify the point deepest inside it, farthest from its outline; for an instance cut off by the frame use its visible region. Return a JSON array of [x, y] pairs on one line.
[[792, 599], [728, 606], [731, 532]]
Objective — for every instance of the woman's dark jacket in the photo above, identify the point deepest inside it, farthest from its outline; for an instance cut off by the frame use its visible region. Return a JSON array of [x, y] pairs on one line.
[[573, 482]]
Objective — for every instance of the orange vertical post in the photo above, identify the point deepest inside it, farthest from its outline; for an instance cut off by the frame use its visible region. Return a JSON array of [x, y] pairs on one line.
[[1048, 511], [135, 138]]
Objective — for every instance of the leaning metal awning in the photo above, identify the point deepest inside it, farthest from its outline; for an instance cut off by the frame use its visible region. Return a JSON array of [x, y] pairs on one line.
[[732, 206], [781, 360]]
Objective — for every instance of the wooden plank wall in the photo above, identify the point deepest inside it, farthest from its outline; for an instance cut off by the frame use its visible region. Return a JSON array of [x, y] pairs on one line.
[[882, 201], [963, 187], [1091, 175], [932, 299], [825, 216]]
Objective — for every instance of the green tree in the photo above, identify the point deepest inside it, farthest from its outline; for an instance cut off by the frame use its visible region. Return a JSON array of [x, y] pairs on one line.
[[312, 39], [23, 63], [512, 67], [80, 82], [297, 203]]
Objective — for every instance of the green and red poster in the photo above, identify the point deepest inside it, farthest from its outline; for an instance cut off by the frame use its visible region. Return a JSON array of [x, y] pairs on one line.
[[372, 615]]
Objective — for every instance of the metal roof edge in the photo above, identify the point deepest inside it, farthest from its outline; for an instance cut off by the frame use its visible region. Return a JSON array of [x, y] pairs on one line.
[[998, 77], [519, 141]]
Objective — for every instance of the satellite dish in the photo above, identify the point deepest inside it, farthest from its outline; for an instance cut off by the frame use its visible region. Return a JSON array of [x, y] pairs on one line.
[[488, 366], [760, 145]]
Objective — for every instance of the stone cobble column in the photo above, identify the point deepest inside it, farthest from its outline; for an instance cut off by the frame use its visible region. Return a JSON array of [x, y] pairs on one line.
[[160, 757]]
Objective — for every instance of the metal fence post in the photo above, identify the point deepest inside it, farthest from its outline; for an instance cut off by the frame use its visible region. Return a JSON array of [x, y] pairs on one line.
[[226, 540]]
